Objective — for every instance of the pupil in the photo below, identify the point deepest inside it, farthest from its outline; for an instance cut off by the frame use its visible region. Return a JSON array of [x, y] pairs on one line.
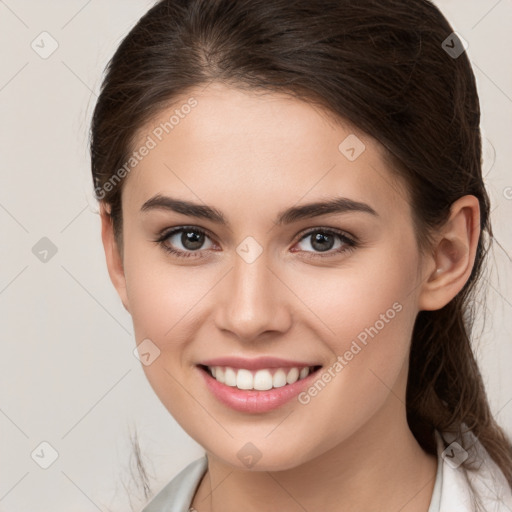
[[322, 239], [192, 240]]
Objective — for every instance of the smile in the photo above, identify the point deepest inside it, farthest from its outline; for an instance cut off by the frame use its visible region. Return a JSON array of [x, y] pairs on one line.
[[258, 390], [260, 380]]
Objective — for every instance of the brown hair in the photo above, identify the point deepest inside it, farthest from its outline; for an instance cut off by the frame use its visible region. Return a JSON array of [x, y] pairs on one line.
[[386, 67]]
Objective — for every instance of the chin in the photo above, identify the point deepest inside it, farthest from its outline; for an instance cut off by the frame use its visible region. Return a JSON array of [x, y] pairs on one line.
[[256, 457]]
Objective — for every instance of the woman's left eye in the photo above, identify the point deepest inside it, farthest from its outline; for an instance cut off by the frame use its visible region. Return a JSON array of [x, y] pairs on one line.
[[192, 240], [323, 240]]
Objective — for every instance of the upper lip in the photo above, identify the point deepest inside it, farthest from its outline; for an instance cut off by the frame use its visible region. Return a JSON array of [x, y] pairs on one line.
[[257, 363]]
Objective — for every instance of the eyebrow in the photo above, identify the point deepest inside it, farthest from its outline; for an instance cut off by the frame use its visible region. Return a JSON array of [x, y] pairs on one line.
[[288, 216]]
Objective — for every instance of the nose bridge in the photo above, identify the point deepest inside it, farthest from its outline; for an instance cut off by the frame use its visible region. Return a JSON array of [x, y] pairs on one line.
[[253, 302]]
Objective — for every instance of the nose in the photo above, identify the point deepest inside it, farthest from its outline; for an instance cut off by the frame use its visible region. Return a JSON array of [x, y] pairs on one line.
[[252, 301]]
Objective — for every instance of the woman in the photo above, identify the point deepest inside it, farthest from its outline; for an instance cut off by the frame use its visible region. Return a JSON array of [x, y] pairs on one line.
[[294, 215]]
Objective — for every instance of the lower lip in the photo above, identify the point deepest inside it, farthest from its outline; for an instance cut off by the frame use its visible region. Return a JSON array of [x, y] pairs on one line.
[[253, 401]]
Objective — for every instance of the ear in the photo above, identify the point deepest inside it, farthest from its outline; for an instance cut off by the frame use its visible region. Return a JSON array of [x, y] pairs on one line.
[[449, 265], [113, 256]]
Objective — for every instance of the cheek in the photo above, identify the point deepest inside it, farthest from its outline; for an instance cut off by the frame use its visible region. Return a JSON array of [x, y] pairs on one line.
[[162, 295], [370, 296], [367, 314]]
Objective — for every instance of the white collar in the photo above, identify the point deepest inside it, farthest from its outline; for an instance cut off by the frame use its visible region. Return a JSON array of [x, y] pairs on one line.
[[487, 479]]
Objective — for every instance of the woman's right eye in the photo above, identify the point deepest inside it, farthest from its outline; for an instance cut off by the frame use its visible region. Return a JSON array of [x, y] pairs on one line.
[[191, 240]]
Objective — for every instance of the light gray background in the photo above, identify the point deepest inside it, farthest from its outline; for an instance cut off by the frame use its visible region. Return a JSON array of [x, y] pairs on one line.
[[68, 375]]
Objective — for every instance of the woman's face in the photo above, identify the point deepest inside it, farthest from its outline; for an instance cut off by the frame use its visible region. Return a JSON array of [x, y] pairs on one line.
[[338, 289]]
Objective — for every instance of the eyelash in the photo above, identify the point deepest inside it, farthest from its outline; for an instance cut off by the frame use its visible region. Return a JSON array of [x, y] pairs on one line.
[[349, 243]]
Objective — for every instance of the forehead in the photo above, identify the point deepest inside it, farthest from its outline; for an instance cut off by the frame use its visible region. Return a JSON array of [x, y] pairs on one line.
[[259, 149]]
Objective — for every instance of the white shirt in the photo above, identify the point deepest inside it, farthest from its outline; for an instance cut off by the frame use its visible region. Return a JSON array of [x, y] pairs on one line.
[[451, 489]]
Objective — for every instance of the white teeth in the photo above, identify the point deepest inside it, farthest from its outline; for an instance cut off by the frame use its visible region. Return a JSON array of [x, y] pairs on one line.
[[260, 380], [244, 379], [293, 375], [279, 379], [304, 373], [219, 374], [230, 377]]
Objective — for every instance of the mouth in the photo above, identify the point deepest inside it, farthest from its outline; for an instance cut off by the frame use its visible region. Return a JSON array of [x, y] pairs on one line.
[[263, 379], [256, 390]]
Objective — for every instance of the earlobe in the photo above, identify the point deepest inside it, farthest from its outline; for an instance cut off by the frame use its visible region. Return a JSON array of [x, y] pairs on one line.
[[453, 256], [113, 256]]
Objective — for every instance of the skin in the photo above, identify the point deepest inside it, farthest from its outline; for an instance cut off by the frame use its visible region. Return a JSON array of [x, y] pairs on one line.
[[251, 156]]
